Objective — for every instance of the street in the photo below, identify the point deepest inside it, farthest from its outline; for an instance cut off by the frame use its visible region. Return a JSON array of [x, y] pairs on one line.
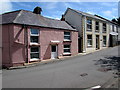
[[77, 72]]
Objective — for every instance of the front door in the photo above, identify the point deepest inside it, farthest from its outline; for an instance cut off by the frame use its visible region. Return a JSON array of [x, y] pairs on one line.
[[54, 53], [97, 41]]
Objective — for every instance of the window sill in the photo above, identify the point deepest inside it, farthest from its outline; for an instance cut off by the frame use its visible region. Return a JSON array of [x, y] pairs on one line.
[[97, 31], [89, 30], [35, 59], [66, 53], [103, 32], [89, 46], [34, 44], [67, 40]]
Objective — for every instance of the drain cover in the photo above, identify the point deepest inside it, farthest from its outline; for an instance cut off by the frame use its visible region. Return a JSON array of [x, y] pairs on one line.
[[83, 74]]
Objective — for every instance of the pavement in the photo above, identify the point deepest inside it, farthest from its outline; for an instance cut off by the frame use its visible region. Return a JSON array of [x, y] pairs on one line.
[[47, 61], [80, 71]]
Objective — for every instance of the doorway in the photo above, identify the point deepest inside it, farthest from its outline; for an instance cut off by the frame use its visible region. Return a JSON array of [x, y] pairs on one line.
[[54, 52], [97, 42]]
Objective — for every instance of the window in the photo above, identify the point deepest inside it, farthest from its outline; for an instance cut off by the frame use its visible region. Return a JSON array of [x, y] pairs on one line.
[[104, 27], [66, 48], [67, 36], [89, 25], [116, 29], [97, 26], [104, 41], [34, 36], [34, 54], [113, 28], [89, 40]]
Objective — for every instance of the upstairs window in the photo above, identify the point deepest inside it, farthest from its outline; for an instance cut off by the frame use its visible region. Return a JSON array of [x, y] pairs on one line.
[[89, 25], [96, 26], [104, 27], [67, 36], [113, 28], [116, 29], [34, 36]]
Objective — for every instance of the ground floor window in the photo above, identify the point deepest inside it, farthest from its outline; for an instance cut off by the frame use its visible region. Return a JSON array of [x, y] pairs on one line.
[[104, 41], [34, 54], [66, 48], [89, 40]]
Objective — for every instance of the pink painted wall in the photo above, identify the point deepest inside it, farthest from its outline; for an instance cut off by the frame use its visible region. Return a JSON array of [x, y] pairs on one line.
[[48, 34], [6, 54], [13, 45], [14, 51], [18, 45]]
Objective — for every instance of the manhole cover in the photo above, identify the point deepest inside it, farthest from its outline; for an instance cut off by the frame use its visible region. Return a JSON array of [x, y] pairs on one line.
[[83, 74]]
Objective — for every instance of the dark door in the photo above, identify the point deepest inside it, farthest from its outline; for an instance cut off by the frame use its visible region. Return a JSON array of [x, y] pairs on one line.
[[97, 42]]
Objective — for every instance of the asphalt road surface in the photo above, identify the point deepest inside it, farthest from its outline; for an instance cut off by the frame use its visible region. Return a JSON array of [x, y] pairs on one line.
[[77, 72]]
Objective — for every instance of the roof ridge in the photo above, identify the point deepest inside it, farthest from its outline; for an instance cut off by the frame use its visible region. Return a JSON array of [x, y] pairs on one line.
[[50, 18], [11, 12], [81, 11]]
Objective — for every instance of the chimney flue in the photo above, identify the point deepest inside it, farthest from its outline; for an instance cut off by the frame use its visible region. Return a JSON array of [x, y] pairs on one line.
[[63, 18]]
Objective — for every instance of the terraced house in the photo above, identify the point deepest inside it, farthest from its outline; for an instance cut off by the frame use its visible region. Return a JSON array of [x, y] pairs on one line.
[[94, 31], [28, 37]]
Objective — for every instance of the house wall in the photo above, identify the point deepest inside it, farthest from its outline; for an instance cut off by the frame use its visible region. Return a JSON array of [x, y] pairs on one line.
[[79, 22], [6, 50], [16, 40], [46, 35], [13, 52], [101, 34], [18, 45], [74, 20]]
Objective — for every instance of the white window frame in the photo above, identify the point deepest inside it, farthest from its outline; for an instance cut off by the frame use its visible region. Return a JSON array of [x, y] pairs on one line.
[[35, 35], [97, 30], [90, 24], [104, 28], [89, 40], [67, 49], [67, 36], [35, 53]]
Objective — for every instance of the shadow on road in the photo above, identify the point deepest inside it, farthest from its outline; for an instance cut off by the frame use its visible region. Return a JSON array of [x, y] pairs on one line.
[[108, 63]]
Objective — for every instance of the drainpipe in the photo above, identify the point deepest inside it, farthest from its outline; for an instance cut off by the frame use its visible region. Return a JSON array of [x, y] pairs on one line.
[[26, 42], [84, 32]]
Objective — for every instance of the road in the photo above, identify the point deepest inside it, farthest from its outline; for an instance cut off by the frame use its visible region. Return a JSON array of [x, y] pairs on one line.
[[77, 72]]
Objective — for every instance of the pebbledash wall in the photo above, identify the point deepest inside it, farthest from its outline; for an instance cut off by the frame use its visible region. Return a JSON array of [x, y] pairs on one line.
[[16, 43]]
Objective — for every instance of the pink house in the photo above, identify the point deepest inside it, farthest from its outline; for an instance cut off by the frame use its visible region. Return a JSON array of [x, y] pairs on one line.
[[28, 37]]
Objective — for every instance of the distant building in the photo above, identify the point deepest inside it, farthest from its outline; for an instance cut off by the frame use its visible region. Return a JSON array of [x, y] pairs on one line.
[[113, 32], [94, 31], [29, 37]]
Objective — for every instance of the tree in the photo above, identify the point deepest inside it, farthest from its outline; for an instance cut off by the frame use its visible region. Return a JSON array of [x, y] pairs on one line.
[[37, 10], [117, 20]]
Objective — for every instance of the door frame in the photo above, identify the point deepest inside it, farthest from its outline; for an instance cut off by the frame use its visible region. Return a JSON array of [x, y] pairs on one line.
[[56, 51]]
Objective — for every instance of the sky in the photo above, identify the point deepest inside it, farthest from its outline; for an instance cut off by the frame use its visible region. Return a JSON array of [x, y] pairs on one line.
[[108, 10]]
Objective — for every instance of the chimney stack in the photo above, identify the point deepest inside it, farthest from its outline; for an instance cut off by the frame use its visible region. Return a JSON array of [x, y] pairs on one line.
[[37, 10], [63, 18]]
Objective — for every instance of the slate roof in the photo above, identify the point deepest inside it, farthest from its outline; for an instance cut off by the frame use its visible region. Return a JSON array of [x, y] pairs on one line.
[[30, 18]]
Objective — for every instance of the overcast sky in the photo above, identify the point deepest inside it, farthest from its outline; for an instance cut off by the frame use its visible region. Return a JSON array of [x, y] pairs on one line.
[[54, 10]]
